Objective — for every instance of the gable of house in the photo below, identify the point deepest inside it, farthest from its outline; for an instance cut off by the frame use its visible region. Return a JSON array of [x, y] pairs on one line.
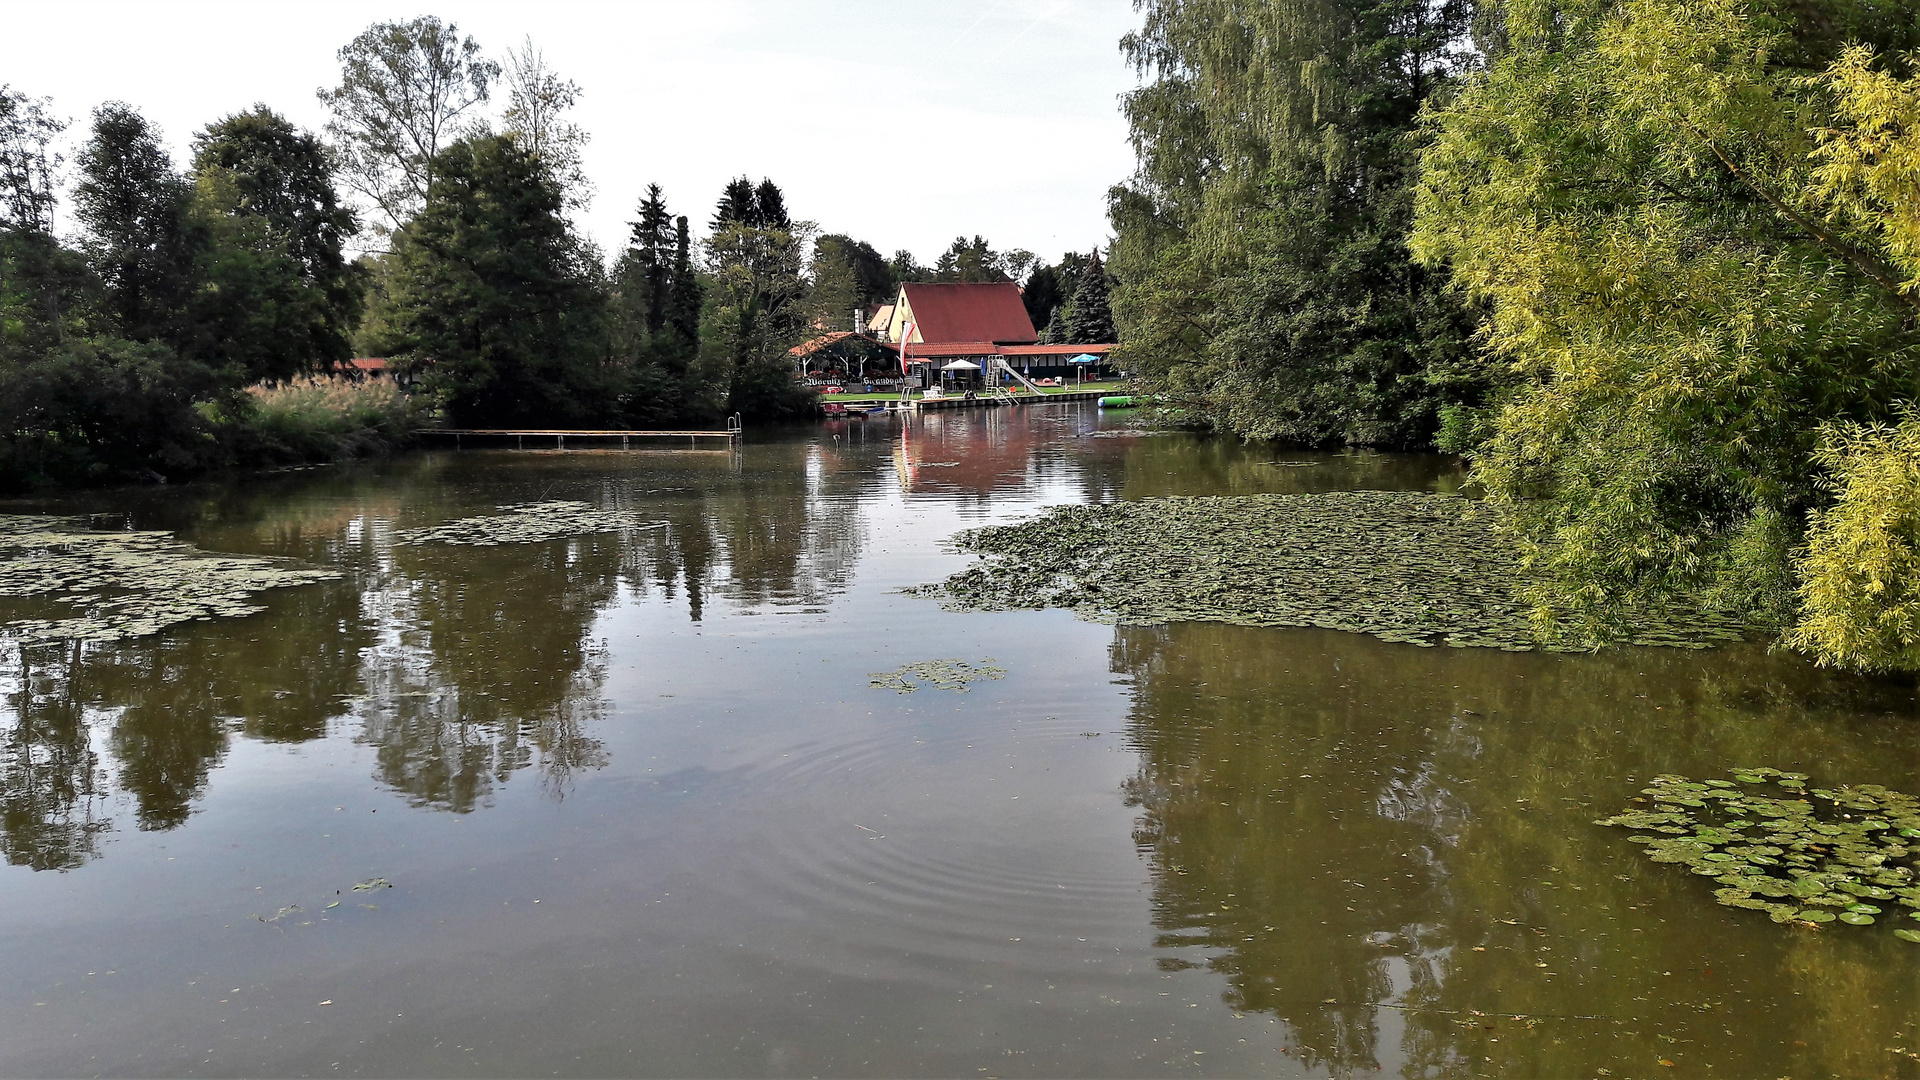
[[941, 313]]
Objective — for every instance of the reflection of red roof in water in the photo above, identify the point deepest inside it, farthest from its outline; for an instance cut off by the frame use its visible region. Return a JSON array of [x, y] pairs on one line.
[[972, 312]]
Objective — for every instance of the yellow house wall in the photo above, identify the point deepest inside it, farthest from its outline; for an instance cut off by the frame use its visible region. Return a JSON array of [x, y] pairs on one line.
[[902, 315]]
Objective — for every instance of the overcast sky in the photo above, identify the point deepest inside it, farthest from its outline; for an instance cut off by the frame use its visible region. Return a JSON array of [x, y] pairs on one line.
[[902, 124]]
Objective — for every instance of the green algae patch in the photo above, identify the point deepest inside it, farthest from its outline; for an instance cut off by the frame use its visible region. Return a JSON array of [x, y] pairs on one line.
[[529, 523], [954, 675], [1809, 856], [1402, 566], [61, 581]]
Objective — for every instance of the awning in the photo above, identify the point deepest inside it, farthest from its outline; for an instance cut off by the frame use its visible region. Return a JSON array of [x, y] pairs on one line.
[[962, 365]]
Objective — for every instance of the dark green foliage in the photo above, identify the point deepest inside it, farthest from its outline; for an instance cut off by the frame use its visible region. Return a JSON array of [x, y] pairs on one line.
[[969, 261], [759, 309], [655, 320], [903, 267], [95, 411], [492, 302], [135, 210], [277, 297], [1265, 283], [1089, 319], [1043, 294]]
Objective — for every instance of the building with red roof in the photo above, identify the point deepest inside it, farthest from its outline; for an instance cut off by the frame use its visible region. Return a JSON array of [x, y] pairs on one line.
[[943, 314]]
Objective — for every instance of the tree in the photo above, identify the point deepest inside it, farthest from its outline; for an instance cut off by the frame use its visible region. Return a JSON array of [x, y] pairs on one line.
[[1699, 292], [134, 209], [491, 300], [1265, 284], [970, 261], [847, 275], [1042, 295], [537, 99], [279, 297], [903, 267], [406, 89], [759, 287], [28, 163], [737, 206], [656, 318], [1090, 319]]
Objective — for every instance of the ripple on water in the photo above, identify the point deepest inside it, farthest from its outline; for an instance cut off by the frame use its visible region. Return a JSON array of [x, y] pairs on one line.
[[872, 845]]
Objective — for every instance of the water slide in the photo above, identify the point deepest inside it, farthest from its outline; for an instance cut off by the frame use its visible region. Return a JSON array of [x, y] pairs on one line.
[[1001, 363]]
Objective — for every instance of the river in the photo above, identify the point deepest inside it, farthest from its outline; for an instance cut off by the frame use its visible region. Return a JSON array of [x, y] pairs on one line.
[[628, 803]]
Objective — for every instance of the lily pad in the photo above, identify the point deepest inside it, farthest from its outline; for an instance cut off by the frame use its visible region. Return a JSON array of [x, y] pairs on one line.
[[1908, 935], [1832, 850], [954, 675], [529, 523], [1408, 567], [73, 583]]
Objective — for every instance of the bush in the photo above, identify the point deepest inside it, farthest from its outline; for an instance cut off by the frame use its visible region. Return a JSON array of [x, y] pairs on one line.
[[95, 412], [322, 418], [1860, 577]]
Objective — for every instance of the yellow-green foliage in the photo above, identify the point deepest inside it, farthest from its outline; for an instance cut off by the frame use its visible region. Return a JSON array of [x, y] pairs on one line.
[[1860, 578], [1869, 171], [1690, 275]]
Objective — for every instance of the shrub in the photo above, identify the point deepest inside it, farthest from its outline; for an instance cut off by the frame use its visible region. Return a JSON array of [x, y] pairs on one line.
[[321, 418]]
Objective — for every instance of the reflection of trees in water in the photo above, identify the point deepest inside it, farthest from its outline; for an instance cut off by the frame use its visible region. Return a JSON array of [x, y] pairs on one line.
[[51, 786], [483, 667], [1446, 806], [777, 524]]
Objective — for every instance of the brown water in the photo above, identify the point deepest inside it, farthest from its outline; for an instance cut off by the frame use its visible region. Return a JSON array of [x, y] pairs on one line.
[[642, 813]]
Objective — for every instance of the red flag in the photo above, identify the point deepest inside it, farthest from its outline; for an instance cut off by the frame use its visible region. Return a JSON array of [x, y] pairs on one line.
[[906, 334]]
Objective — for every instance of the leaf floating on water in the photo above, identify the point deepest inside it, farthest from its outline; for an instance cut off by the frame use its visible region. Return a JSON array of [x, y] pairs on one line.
[[1407, 567], [88, 585], [529, 523], [1907, 935], [372, 883], [1818, 849], [954, 675]]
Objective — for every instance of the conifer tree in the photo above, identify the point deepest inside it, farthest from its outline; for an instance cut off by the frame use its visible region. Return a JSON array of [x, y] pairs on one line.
[[1089, 321], [738, 205]]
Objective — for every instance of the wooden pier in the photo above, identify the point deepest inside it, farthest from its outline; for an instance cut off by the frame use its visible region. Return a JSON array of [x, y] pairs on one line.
[[731, 434]]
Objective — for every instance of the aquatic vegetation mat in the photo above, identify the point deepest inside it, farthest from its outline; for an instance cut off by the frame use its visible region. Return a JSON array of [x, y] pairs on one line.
[[1402, 566], [955, 675], [62, 581], [1804, 855], [529, 523]]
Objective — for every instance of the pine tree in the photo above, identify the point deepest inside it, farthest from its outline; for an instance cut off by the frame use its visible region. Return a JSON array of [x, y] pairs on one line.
[[651, 247], [771, 206], [737, 205], [1089, 319]]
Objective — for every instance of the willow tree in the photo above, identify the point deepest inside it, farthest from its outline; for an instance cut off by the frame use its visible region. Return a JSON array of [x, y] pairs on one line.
[[1265, 281], [1691, 297]]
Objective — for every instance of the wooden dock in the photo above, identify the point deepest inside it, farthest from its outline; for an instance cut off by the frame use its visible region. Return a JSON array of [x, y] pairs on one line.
[[561, 435]]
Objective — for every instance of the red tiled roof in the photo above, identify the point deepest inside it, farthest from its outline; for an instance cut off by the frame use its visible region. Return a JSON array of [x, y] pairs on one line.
[[918, 351], [1054, 350], [814, 345], [972, 312]]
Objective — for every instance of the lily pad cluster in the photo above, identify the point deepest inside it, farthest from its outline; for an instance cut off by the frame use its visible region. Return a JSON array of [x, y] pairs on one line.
[[529, 523], [955, 675], [1403, 566], [61, 581], [1801, 854]]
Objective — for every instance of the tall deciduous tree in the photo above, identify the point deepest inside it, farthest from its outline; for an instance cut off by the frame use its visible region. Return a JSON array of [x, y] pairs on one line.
[[537, 102], [138, 237], [1264, 277], [28, 162], [970, 261], [279, 298], [492, 301], [407, 89]]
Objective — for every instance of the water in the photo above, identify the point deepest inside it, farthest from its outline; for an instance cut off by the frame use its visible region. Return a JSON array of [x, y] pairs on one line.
[[642, 813]]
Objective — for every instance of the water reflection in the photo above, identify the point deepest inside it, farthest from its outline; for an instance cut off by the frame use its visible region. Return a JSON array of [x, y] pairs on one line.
[[1390, 849], [51, 784]]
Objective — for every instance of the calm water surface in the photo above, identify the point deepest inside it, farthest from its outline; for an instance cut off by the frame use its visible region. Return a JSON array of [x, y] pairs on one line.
[[642, 813]]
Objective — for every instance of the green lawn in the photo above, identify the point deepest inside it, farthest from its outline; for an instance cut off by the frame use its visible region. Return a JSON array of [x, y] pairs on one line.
[[1111, 386]]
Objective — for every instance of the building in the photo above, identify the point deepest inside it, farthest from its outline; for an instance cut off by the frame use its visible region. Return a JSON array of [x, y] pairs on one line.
[[980, 323]]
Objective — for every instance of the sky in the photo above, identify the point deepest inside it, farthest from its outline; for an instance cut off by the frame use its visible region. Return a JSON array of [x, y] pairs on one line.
[[903, 124]]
